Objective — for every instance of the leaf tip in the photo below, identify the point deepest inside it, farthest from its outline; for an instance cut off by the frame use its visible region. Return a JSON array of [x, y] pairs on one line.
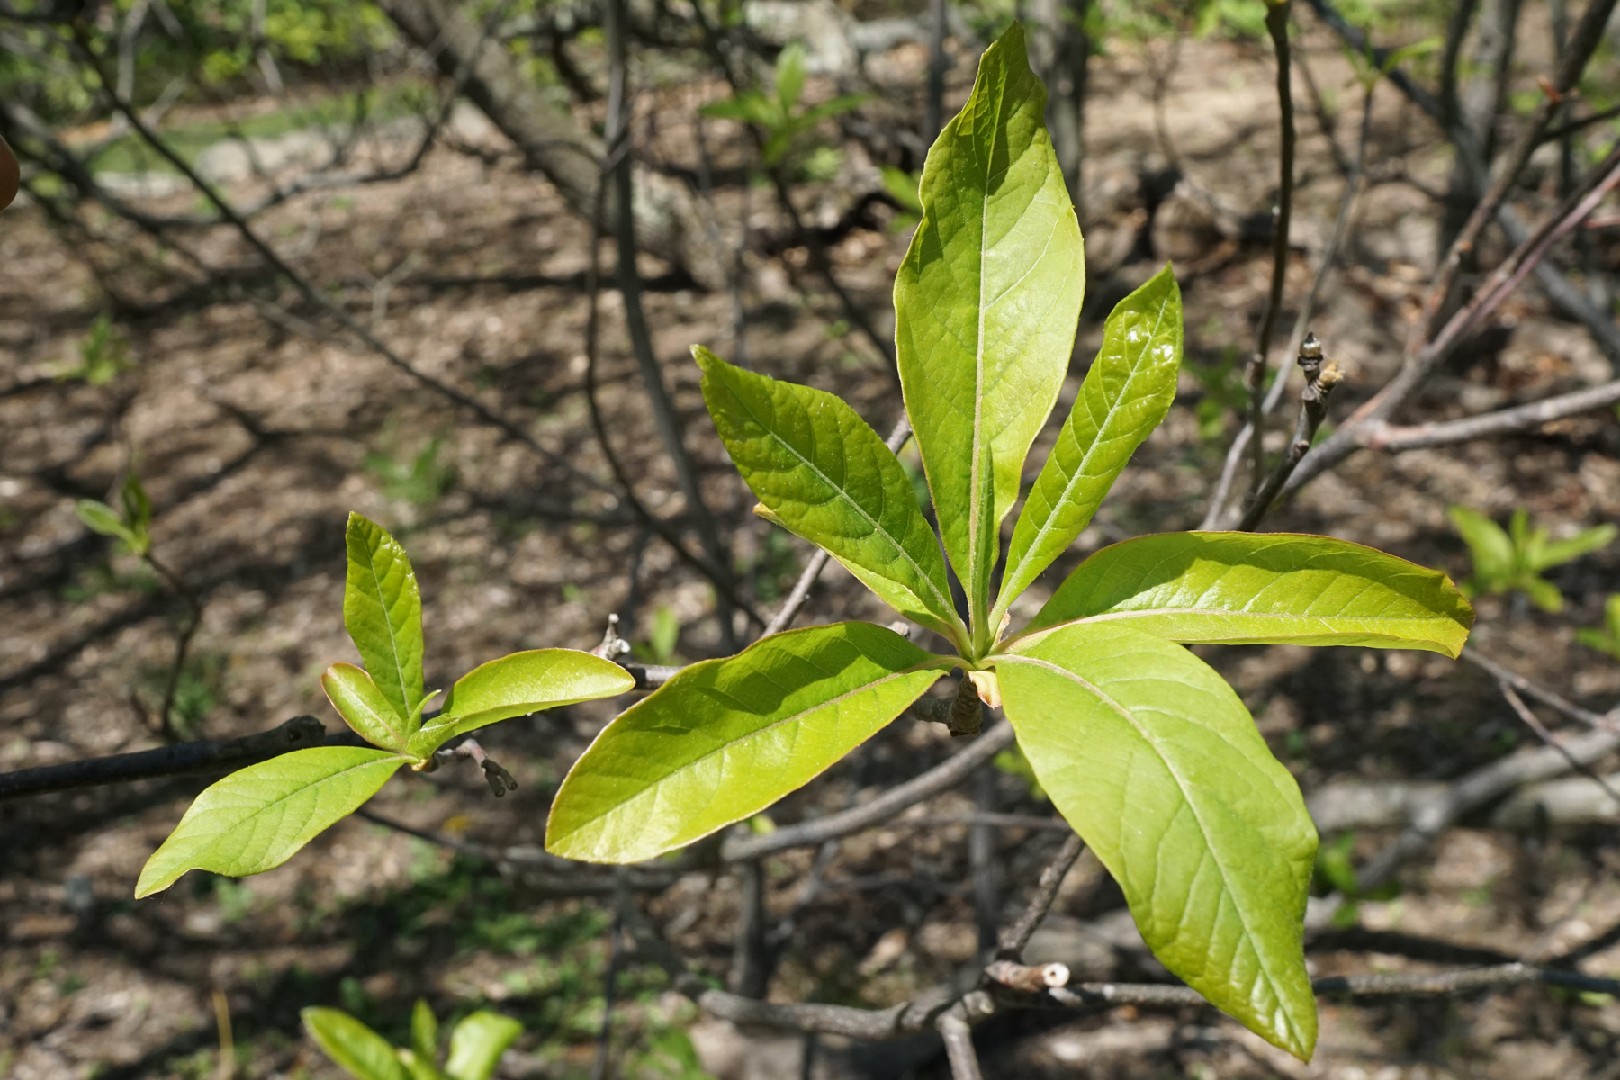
[[153, 881]]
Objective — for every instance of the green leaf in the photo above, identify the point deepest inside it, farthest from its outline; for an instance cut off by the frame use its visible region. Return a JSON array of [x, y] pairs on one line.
[[790, 74], [382, 610], [354, 1047], [1125, 395], [1270, 588], [519, 684], [137, 504], [1558, 552], [100, 518], [1152, 758], [418, 1069], [726, 738], [747, 107], [477, 1043], [259, 817], [825, 475], [1543, 593], [363, 707], [985, 304], [1490, 547], [425, 1032]]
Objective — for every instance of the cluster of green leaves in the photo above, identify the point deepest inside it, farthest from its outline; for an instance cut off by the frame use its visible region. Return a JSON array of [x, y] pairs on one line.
[[219, 37], [1515, 558], [1141, 746], [476, 1045], [786, 124], [1606, 638], [130, 524], [257, 818]]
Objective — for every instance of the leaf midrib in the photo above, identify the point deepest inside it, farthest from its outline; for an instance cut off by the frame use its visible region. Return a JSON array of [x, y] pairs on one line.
[[877, 528], [372, 550], [1182, 785], [309, 787]]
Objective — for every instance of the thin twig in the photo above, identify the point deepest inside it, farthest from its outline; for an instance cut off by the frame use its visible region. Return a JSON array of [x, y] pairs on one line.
[[1016, 937], [819, 261], [1320, 379], [1535, 690], [1277, 28], [182, 643], [181, 758], [618, 138], [306, 288], [941, 778], [749, 960], [1532, 722], [1398, 391], [1587, 36], [1379, 435], [958, 1036], [1419, 984], [626, 485]]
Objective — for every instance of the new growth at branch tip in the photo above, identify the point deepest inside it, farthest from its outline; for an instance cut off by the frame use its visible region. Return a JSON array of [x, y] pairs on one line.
[[1321, 376]]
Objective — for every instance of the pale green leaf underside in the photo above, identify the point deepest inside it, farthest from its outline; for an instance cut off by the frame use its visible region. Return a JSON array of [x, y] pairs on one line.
[[382, 610], [824, 474], [257, 818], [363, 706], [519, 684], [477, 1044], [1124, 397], [726, 738], [1248, 588], [1152, 758], [353, 1046], [986, 303]]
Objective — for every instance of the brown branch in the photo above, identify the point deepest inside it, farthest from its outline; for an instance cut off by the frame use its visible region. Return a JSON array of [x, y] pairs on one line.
[[936, 780], [1587, 36], [1477, 788], [1016, 937], [1255, 376], [1528, 255], [179, 759], [1320, 379], [1378, 435], [307, 288], [1534, 723], [626, 485], [628, 279], [955, 1029]]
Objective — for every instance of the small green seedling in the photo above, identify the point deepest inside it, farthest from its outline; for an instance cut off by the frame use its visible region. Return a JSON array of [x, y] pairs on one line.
[[1516, 559], [131, 524], [1606, 638], [103, 355], [1138, 743], [784, 123], [257, 818], [419, 478], [476, 1045]]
